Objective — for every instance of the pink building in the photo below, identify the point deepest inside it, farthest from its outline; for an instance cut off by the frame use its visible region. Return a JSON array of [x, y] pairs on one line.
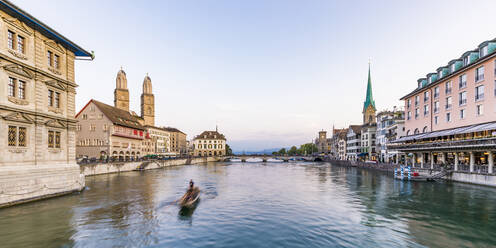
[[450, 118]]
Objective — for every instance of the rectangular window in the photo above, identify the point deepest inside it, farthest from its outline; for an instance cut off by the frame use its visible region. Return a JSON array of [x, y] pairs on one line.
[[409, 102], [453, 67], [20, 44], [435, 120], [448, 117], [483, 51], [426, 109], [426, 96], [11, 39], [479, 74], [56, 60], [417, 100], [436, 92], [22, 90], [448, 102], [22, 137], [57, 139], [12, 136], [409, 115], [462, 113], [436, 107], [466, 60], [51, 139], [417, 112], [57, 100], [50, 98], [479, 92], [448, 88], [11, 87], [463, 81], [462, 98], [480, 109], [49, 58]]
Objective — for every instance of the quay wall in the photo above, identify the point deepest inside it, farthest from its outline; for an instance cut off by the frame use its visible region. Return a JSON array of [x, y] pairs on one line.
[[107, 168], [455, 176], [20, 184], [473, 178]]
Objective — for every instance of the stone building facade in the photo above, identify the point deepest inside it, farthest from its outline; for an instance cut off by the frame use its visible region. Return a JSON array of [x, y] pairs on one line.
[[37, 107], [209, 143], [323, 143], [369, 127]]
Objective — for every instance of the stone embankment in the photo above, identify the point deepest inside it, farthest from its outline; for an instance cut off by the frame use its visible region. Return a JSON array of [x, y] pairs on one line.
[[455, 176], [116, 167], [19, 184]]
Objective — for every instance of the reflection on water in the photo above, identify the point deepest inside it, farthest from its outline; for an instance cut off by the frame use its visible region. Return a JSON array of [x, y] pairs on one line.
[[257, 205]]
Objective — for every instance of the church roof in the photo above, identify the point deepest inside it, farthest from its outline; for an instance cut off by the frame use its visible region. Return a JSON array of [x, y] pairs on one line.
[[118, 116], [369, 99]]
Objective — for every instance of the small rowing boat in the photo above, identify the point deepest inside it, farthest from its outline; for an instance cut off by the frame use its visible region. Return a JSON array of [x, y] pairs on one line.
[[190, 198]]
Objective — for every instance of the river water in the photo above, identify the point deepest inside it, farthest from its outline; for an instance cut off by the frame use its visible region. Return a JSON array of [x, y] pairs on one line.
[[257, 205]]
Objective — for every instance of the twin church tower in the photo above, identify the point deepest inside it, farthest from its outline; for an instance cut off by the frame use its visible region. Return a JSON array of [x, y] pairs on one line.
[[121, 97]]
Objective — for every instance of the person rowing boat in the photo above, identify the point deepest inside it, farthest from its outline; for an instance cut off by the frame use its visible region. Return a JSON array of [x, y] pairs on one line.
[[191, 195]]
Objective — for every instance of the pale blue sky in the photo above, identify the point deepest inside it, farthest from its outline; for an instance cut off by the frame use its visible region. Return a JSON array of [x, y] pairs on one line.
[[269, 73]]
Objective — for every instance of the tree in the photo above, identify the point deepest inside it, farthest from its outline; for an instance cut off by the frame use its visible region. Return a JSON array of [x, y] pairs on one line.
[[293, 151], [308, 148], [282, 152], [228, 150]]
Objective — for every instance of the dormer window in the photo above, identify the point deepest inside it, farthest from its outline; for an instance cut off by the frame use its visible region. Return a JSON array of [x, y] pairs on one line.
[[466, 60], [483, 51]]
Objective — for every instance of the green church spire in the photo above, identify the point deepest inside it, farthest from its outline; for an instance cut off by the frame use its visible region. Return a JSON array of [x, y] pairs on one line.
[[369, 100]]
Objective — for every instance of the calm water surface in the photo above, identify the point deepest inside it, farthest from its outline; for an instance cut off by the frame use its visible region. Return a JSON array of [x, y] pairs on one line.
[[257, 205]]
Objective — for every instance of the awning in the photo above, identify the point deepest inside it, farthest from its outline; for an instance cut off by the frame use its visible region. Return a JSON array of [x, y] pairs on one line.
[[362, 154], [448, 132]]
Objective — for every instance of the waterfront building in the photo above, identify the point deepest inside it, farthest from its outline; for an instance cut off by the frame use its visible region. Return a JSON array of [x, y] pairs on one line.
[[37, 107], [209, 143], [323, 143], [336, 132], [341, 141], [390, 126], [353, 142], [160, 139], [105, 130], [450, 116], [369, 127], [178, 144]]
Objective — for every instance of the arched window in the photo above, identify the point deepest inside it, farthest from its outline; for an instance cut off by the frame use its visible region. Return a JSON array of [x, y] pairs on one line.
[[370, 118], [424, 130], [407, 132], [416, 131]]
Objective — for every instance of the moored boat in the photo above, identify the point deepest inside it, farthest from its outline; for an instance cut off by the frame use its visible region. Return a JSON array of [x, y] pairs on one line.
[[190, 199]]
